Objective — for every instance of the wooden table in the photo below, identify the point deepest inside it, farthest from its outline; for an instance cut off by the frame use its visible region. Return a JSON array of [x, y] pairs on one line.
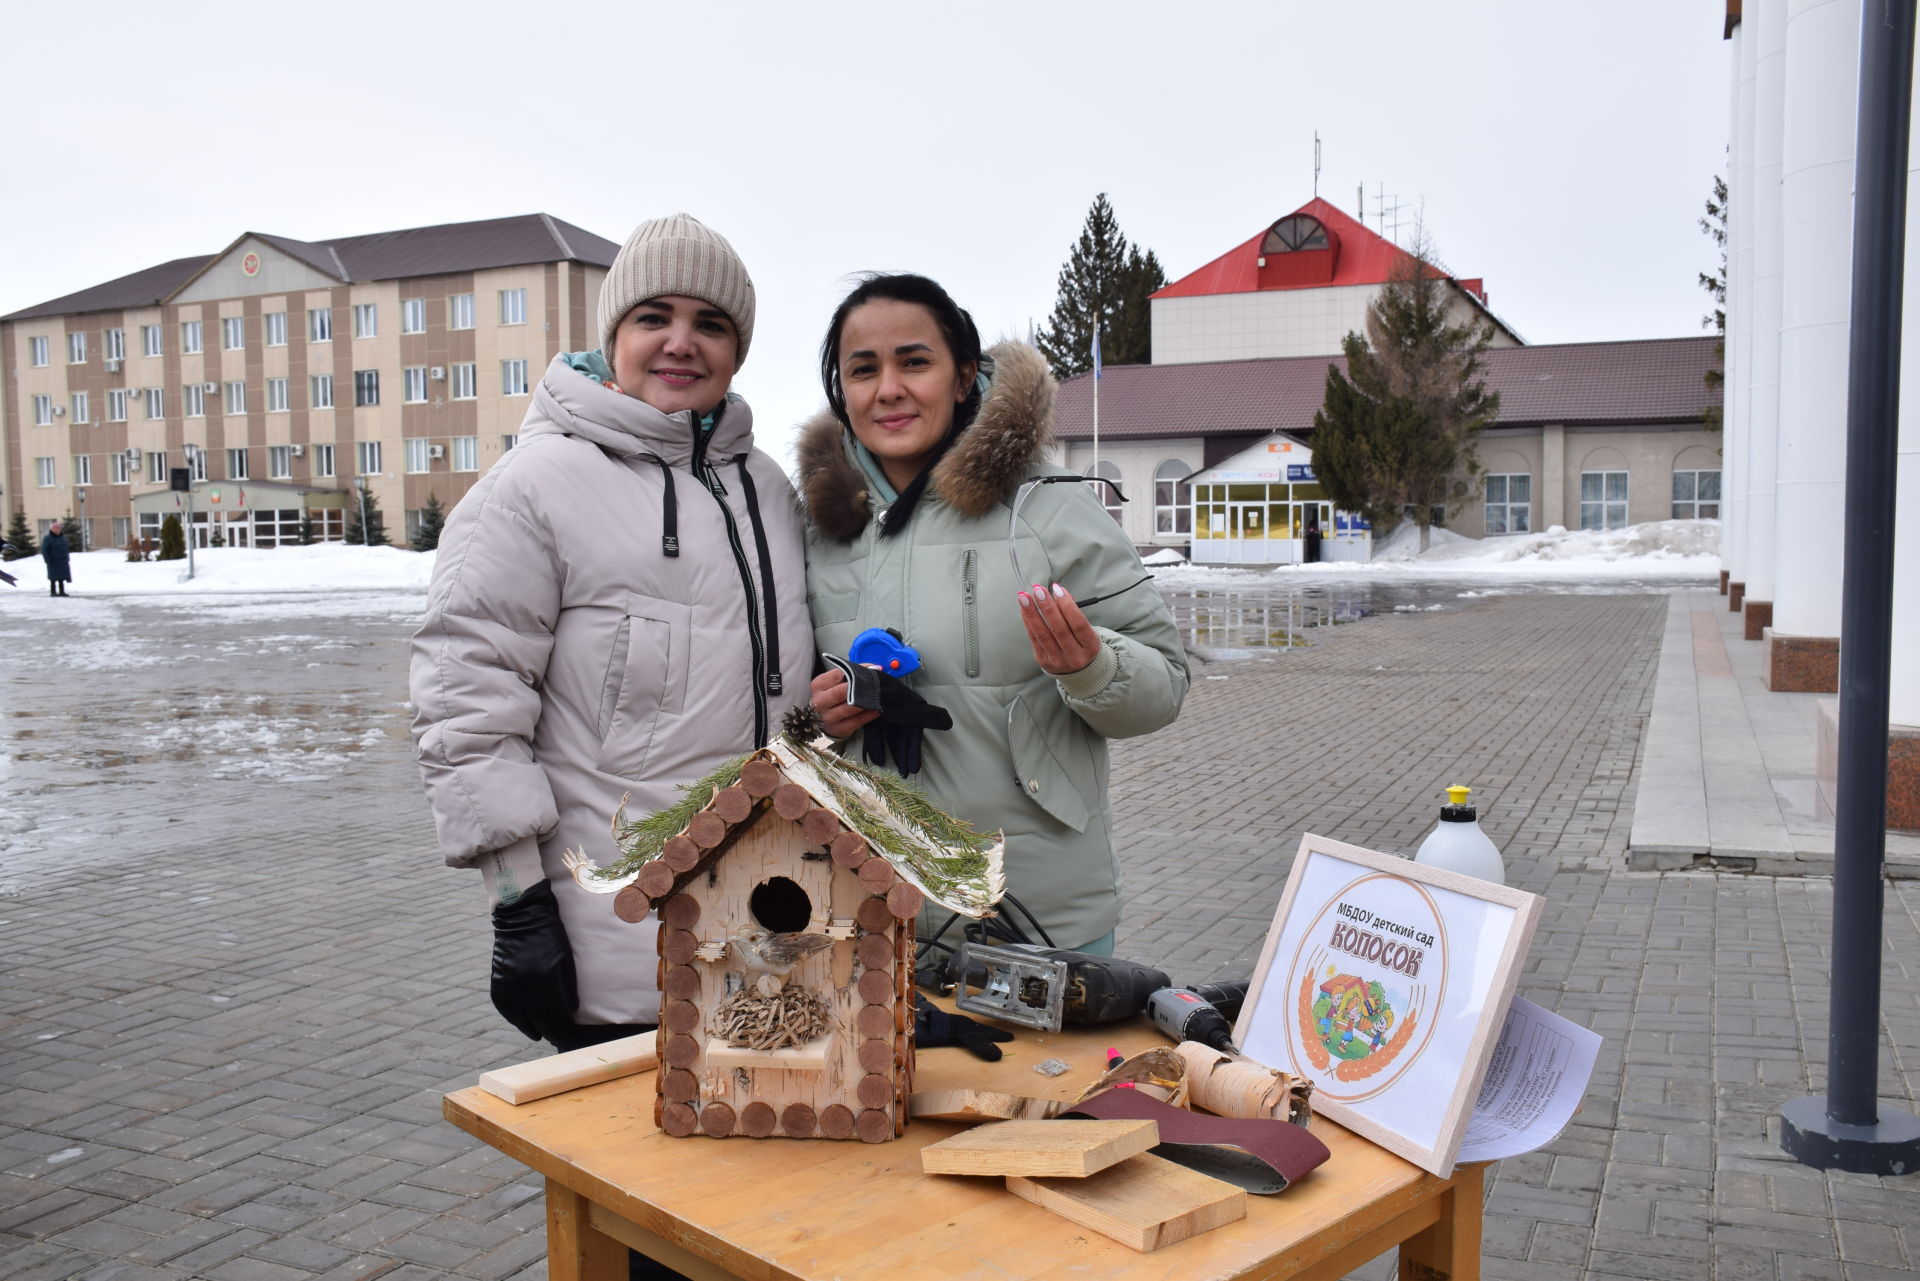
[[773, 1209]]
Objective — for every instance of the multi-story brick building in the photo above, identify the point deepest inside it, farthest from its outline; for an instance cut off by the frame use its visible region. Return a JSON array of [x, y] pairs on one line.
[[284, 374]]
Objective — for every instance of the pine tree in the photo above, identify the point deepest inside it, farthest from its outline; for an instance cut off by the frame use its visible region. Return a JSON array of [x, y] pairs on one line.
[[375, 532], [1715, 283], [1402, 419], [306, 534], [173, 540], [20, 540], [1107, 279], [432, 517]]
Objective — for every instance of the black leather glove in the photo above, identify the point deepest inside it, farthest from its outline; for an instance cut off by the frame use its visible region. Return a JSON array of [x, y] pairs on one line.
[[933, 1026], [533, 976]]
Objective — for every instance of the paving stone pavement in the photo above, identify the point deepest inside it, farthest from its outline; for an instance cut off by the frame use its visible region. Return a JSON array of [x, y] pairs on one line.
[[238, 980]]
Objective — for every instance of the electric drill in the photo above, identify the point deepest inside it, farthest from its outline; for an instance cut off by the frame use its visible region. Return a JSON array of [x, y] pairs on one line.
[[1203, 1013]]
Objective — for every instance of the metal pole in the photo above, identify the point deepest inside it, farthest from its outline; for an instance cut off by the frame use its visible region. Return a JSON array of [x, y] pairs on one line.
[[1845, 1129], [190, 530]]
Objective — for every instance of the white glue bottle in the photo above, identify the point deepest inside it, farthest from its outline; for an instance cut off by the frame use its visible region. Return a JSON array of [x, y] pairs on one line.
[[1459, 845]]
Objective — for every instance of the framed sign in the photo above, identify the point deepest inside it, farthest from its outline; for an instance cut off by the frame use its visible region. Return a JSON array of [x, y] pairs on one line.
[[1385, 982]]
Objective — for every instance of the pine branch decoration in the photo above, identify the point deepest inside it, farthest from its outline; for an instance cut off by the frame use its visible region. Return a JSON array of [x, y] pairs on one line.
[[642, 839]]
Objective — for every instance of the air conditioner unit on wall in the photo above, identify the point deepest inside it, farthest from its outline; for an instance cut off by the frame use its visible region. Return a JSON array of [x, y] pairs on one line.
[[209, 388], [436, 451], [59, 411], [298, 451], [113, 366], [133, 456], [438, 373]]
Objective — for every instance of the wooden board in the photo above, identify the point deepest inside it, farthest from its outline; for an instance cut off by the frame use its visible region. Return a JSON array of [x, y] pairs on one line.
[[1143, 1202], [558, 1073], [969, 1106], [1040, 1149], [811, 1057]]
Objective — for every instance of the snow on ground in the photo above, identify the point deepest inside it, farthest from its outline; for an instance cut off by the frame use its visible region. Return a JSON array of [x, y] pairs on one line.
[[323, 567]]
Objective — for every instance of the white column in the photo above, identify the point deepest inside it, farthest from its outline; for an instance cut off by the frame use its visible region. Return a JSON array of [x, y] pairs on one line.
[[1903, 707], [1763, 381], [1816, 203], [1732, 509]]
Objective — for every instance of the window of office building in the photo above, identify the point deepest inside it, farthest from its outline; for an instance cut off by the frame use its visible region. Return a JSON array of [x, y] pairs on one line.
[[83, 469], [233, 333], [1172, 508], [194, 397], [1510, 502], [157, 466], [1106, 469], [320, 391], [37, 351], [43, 411], [413, 389], [82, 407], [1696, 495], [366, 386], [276, 395], [460, 311], [322, 460], [190, 337], [45, 472], [236, 398], [466, 453], [115, 342], [513, 378], [119, 470], [366, 320], [279, 462], [276, 326], [320, 325], [413, 315], [76, 349], [465, 383], [1603, 500], [156, 402], [367, 454], [417, 450], [513, 306], [150, 340], [117, 405]]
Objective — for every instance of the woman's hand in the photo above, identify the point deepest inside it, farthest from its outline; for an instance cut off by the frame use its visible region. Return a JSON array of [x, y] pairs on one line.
[[837, 716], [1063, 640]]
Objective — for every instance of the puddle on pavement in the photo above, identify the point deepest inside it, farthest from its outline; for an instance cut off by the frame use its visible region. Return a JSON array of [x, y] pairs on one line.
[[1238, 622]]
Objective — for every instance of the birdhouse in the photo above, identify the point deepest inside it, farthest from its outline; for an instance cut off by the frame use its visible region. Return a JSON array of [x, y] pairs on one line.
[[787, 885]]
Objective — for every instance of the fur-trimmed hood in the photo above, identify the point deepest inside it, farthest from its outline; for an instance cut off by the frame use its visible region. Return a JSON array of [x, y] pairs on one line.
[[1007, 439]]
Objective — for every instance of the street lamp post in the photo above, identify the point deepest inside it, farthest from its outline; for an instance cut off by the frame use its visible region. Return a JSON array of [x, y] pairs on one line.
[[361, 482], [191, 450], [80, 518]]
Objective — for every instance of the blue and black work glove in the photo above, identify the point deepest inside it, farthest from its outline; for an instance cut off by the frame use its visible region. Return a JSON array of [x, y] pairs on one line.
[[533, 975], [905, 715], [933, 1026]]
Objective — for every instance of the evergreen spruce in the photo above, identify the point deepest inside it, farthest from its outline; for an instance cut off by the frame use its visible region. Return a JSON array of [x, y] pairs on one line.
[[1403, 417], [1715, 283], [305, 534], [1106, 278], [375, 532], [173, 540], [432, 517], [20, 540]]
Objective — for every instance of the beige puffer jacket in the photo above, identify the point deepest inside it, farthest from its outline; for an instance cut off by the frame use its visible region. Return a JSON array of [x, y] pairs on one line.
[[568, 658]]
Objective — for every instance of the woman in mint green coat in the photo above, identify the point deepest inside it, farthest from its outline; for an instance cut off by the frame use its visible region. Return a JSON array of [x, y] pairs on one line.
[[923, 482]]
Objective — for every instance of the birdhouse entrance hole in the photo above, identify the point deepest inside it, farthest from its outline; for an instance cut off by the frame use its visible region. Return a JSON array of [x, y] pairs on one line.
[[780, 905]]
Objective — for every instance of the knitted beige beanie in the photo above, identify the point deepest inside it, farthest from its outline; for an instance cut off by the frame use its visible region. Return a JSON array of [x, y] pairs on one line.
[[677, 255]]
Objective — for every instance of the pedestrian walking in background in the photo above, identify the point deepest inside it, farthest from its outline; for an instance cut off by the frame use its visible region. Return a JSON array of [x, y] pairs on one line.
[[618, 606], [53, 550]]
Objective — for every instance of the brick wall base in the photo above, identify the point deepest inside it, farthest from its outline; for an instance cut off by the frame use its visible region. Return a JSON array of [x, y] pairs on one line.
[[1903, 766], [1802, 664]]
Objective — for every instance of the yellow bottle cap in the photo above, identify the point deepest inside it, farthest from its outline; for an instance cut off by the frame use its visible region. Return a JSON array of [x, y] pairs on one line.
[[1457, 795]]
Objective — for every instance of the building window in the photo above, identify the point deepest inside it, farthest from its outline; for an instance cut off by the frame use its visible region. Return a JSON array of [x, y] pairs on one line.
[[197, 464], [322, 460], [279, 462], [413, 315], [413, 389], [157, 466], [276, 329], [319, 324], [1172, 509], [233, 333], [115, 341], [366, 386], [513, 306], [195, 398], [1603, 500], [82, 407], [1296, 231], [367, 454], [156, 403], [190, 337], [77, 348], [460, 311], [236, 398], [237, 468], [320, 391], [119, 469], [149, 340], [466, 453], [417, 454], [37, 351], [83, 469], [276, 395], [366, 320], [117, 405], [1696, 495], [44, 473], [464, 381], [1510, 502], [508, 441], [513, 378], [122, 531], [43, 411], [1106, 469]]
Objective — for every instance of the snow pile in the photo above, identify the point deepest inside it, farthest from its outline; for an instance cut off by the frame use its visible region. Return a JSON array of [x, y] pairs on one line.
[[1403, 544], [1165, 556], [1685, 543], [322, 567]]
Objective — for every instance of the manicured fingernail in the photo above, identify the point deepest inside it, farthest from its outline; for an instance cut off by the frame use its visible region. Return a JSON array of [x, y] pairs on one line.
[[1059, 591], [1038, 590], [1026, 601]]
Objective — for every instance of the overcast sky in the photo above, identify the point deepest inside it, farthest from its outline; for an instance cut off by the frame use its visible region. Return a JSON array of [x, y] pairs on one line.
[[1561, 152]]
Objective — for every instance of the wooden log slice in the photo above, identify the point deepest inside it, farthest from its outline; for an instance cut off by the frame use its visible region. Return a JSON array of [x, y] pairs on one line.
[[679, 1086], [797, 1121], [656, 880], [876, 987], [757, 1120], [874, 951], [683, 1052], [872, 914], [680, 983], [679, 1120], [706, 829], [874, 1091], [876, 876], [849, 850], [678, 946], [836, 1121], [681, 1016], [680, 853], [791, 802], [874, 1021], [905, 901], [717, 1120], [680, 912], [759, 778], [821, 826], [732, 804], [631, 904], [874, 1126], [875, 1055]]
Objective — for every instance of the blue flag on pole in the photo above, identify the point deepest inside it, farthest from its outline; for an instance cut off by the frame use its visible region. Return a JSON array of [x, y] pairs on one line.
[[1096, 354]]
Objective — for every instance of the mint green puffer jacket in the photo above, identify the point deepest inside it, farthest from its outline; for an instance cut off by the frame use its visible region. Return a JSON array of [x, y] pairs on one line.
[[1027, 753]]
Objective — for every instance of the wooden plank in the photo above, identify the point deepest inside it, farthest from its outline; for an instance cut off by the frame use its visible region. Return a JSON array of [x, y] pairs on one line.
[[558, 1073], [1040, 1149], [811, 1057], [576, 1249], [970, 1106], [1143, 1202]]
